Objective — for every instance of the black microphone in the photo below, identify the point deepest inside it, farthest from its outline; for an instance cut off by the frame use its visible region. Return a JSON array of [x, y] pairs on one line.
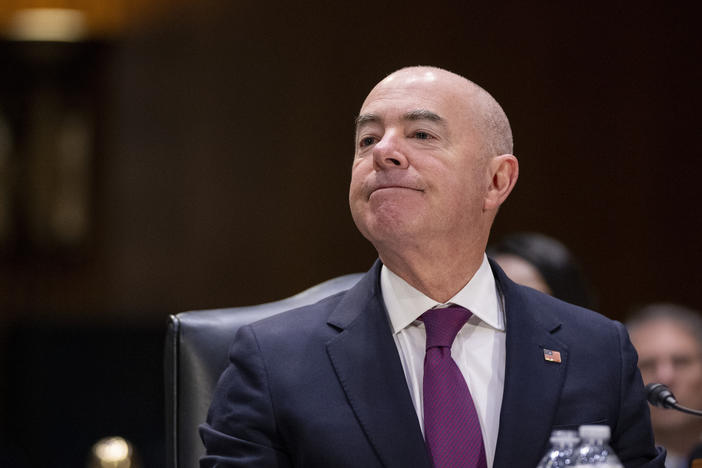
[[661, 396]]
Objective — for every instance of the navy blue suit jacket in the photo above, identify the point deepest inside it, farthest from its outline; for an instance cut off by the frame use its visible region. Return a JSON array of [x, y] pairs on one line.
[[323, 386]]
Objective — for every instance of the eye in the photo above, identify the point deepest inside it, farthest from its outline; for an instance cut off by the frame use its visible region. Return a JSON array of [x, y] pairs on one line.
[[682, 362], [365, 141], [646, 366], [419, 135]]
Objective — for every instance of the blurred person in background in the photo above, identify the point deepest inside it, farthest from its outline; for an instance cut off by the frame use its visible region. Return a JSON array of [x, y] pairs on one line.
[[668, 339], [545, 264]]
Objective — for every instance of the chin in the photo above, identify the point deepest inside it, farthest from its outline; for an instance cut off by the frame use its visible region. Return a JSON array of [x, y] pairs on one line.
[[668, 420], [389, 215], [387, 231]]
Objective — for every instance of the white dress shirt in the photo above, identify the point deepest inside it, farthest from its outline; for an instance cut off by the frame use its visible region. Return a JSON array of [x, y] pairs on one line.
[[479, 347]]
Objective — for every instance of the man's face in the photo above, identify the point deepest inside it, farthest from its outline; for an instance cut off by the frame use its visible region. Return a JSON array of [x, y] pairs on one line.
[[418, 173], [670, 355]]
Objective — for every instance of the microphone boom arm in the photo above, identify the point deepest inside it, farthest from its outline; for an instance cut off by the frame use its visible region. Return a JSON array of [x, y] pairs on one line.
[[661, 396], [687, 410]]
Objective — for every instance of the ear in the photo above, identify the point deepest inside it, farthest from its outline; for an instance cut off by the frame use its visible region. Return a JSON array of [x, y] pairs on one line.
[[503, 171]]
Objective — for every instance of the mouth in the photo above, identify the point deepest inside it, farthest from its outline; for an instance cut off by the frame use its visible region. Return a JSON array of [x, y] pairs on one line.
[[387, 188]]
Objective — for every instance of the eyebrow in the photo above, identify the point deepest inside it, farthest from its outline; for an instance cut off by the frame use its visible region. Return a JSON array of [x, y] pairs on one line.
[[414, 115], [423, 114]]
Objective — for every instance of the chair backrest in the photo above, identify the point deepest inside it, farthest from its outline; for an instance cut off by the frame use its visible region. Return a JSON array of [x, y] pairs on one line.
[[197, 343]]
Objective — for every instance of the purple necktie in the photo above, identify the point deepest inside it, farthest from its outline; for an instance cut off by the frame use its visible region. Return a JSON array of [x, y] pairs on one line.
[[451, 425]]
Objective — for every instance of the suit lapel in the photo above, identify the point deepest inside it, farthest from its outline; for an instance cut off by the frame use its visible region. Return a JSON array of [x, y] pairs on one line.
[[532, 383], [368, 367]]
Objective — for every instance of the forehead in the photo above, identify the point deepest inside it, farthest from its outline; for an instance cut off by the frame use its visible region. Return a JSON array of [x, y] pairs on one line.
[[404, 93], [662, 336]]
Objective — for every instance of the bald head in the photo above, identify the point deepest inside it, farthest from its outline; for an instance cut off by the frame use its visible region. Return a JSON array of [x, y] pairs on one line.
[[481, 110], [432, 165]]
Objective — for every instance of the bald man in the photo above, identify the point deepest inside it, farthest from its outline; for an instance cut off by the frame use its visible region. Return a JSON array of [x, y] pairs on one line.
[[435, 358]]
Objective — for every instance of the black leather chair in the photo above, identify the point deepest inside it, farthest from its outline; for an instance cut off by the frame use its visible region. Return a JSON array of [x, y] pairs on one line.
[[197, 343]]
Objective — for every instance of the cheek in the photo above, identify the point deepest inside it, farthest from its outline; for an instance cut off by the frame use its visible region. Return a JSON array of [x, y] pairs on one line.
[[358, 175], [466, 198], [357, 191], [695, 382]]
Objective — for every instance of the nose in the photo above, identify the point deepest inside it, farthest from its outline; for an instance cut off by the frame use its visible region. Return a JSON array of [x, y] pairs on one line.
[[388, 153], [665, 373]]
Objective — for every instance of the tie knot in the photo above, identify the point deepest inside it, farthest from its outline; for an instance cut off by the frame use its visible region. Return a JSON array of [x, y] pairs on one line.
[[442, 325]]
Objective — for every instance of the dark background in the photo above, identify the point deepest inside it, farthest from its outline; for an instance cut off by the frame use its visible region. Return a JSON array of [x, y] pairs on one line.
[[220, 159]]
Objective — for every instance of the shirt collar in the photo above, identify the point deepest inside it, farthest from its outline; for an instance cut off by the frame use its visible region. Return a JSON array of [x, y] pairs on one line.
[[405, 304]]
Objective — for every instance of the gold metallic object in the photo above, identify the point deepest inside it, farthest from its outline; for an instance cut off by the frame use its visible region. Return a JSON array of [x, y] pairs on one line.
[[112, 452]]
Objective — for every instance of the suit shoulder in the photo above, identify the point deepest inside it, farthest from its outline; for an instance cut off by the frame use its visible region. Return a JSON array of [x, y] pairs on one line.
[[298, 319]]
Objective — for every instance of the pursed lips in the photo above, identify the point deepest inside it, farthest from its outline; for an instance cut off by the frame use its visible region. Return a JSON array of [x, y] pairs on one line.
[[393, 187]]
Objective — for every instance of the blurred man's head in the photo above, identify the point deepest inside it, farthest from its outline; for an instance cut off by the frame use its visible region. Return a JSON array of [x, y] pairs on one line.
[[668, 339]]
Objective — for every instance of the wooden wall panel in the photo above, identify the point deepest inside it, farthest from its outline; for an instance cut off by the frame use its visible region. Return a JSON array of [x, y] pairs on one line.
[[226, 148]]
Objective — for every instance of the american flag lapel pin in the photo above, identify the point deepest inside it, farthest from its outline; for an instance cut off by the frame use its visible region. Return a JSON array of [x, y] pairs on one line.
[[551, 355]]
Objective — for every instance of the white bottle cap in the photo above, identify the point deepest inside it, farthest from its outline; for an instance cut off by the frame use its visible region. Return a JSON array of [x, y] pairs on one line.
[[564, 437], [592, 431]]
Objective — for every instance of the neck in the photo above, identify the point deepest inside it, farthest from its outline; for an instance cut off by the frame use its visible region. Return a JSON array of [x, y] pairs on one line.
[[438, 273]]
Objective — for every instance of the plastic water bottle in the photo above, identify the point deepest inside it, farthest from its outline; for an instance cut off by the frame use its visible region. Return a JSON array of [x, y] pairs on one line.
[[612, 462], [594, 449], [562, 452]]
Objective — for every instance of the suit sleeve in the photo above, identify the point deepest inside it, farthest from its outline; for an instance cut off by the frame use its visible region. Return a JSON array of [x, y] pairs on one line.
[[241, 428], [632, 439]]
